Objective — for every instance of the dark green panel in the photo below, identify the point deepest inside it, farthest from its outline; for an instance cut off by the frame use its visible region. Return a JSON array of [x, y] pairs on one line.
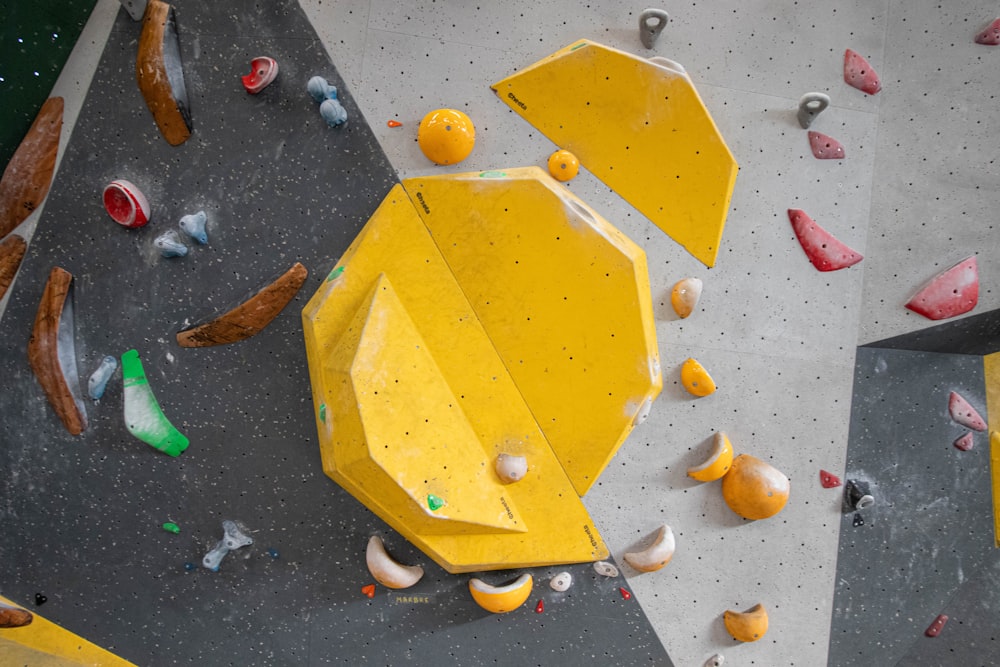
[[36, 38]]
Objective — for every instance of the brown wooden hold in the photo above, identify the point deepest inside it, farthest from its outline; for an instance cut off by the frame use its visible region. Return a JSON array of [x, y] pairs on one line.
[[12, 251], [43, 352], [13, 617], [251, 316], [160, 75], [28, 175]]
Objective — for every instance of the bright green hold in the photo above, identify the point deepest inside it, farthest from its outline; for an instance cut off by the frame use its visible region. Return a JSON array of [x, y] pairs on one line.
[[322, 412], [335, 274], [434, 502], [493, 174], [171, 527], [143, 417]]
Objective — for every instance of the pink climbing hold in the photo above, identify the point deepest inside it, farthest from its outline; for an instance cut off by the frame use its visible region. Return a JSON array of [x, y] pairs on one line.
[[858, 73], [825, 147], [263, 70], [990, 36], [934, 629], [824, 251], [828, 480], [963, 413], [965, 442], [950, 293]]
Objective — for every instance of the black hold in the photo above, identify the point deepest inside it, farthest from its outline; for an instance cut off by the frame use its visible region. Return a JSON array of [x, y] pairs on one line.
[[810, 106], [857, 495], [40, 599], [858, 520]]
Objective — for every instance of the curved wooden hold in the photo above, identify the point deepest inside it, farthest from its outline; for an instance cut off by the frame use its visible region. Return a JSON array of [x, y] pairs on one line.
[[28, 175], [251, 316], [160, 75], [14, 617], [12, 251], [48, 350]]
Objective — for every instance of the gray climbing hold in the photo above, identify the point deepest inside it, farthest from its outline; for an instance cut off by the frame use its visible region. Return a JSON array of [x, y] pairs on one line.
[[810, 106], [651, 24]]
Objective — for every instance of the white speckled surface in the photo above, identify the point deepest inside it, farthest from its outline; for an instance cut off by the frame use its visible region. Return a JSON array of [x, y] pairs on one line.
[[917, 192]]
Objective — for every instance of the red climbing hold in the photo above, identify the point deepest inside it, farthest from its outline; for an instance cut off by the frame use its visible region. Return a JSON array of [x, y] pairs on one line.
[[858, 73], [990, 36], [393, 123], [540, 607], [263, 71], [825, 147], [934, 629], [369, 590], [625, 594], [828, 480], [963, 413], [824, 251], [950, 293], [965, 442]]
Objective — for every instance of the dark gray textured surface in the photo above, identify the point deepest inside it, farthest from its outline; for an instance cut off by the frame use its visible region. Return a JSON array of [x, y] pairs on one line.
[[927, 544], [80, 517], [977, 334]]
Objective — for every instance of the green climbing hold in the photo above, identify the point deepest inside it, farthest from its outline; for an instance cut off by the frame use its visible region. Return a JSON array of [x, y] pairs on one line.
[[493, 174], [171, 527], [322, 412], [143, 417], [335, 274], [434, 502]]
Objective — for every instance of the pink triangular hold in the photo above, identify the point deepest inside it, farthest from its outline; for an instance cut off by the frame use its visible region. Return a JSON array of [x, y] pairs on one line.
[[858, 73], [824, 251], [965, 442], [963, 413], [828, 480], [990, 36], [950, 293], [825, 147]]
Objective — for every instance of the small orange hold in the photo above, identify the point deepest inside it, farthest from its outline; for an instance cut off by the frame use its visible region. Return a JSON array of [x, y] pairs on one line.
[[696, 379], [369, 590], [563, 165], [755, 489], [394, 123]]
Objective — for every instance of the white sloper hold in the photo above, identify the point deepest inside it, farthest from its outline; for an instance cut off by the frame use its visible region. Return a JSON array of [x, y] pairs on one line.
[[657, 554], [511, 468], [386, 570]]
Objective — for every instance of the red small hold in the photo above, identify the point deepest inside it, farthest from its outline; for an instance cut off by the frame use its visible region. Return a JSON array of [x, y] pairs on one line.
[[965, 442], [963, 413], [394, 123], [625, 594], [858, 73], [825, 147], [828, 480], [263, 71], [824, 251], [540, 607], [369, 590], [950, 293], [990, 36], [934, 629]]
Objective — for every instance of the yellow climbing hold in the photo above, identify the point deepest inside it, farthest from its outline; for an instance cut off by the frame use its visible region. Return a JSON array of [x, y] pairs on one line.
[[563, 165], [747, 626], [696, 379], [755, 489], [684, 297], [718, 462], [501, 599]]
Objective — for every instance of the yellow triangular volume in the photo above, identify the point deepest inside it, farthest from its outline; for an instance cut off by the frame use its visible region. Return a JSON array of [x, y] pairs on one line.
[[640, 126]]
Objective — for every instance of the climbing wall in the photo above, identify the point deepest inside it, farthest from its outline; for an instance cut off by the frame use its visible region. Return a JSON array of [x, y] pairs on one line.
[[82, 516]]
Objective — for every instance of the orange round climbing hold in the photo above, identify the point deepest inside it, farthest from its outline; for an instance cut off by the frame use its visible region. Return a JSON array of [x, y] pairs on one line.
[[446, 136], [696, 379], [755, 489], [747, 626], [563, 165]]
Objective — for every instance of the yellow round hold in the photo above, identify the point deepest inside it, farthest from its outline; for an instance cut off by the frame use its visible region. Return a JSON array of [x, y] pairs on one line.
[[563, 165], [755, 489], [501, 599], [718, 462], [747, 626], [696, 379], [446, 136]]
